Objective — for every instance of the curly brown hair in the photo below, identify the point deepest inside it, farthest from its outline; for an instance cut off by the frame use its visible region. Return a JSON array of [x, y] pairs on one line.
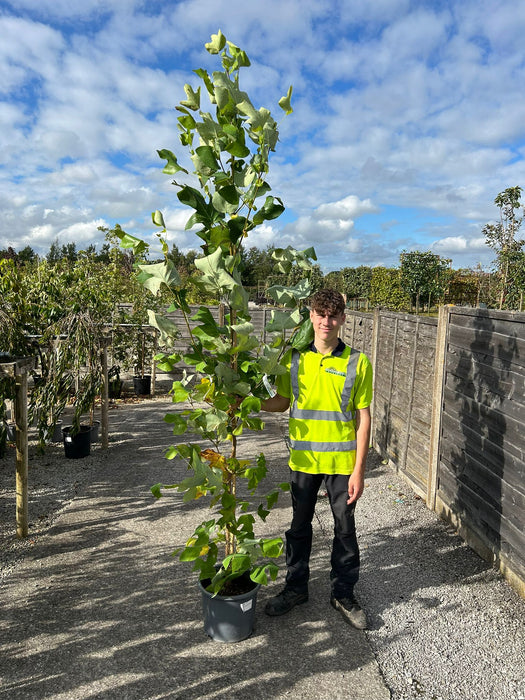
[[328, 301]]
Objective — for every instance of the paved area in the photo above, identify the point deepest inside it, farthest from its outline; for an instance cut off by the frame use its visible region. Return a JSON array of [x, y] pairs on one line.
[[99, 609]]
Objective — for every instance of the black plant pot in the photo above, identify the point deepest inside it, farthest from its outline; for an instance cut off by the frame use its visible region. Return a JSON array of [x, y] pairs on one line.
[[58, 434], [115, 388], [142, 385], [95, 431], [78, 445], [228, 618]]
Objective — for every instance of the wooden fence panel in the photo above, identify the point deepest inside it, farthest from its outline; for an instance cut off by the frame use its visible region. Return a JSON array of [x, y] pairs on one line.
[[358, 331], [481, 468], [402, 407]]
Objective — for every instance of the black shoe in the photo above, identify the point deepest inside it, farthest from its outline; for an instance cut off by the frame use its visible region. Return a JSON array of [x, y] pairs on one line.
[[284, 602], [351, 612]]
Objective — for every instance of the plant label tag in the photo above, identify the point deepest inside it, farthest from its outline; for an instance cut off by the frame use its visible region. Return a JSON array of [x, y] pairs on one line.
[[69, 439], [247, 605], [268, 387]]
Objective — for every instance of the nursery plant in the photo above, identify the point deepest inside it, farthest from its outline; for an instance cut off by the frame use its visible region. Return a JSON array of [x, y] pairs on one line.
[[13, 339], [222, 178]]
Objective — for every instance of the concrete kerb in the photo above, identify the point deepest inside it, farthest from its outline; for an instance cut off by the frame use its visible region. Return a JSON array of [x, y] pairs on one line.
[[99, 609]]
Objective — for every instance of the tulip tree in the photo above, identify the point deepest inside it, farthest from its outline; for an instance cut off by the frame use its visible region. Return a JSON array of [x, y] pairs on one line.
[[228, 196]]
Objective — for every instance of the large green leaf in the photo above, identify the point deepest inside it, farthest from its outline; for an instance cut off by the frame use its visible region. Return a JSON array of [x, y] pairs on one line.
[[206, 79], [238, 298], [217, 43], [178, 423], [168, 330], [205, 319], [194, 98], [215, 275], [191, 198], [271, 209], [208, 129], [304, 336], [244, 328], [292, 295], [158, 218], [129, 241], [238, 226], [205, 161], [172, 165], [269, 361], [226, 200], [157, 274], [286, 101], [280, 321]]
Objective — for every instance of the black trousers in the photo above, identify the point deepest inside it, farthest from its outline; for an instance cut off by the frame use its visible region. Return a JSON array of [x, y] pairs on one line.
[[345, 551]]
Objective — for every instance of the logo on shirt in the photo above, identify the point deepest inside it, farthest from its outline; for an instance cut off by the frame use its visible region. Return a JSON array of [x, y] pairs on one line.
[[331, 370]]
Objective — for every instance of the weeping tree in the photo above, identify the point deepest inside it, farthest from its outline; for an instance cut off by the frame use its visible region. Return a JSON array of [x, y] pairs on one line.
[[229, 369]]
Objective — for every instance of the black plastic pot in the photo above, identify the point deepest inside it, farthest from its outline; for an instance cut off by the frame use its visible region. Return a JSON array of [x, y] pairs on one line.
[[95, 430], [142, 385], [58, 434], [78, 445], [228, 618], [115, 388]]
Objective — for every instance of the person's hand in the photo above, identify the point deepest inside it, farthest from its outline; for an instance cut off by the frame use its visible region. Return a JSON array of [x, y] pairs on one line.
[[356, 486]]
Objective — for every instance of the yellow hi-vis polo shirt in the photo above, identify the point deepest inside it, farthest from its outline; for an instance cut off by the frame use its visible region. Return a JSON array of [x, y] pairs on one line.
[[324, 393]]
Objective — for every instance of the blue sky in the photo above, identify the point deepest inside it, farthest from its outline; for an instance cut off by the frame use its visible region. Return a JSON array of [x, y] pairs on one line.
[[409, 118]]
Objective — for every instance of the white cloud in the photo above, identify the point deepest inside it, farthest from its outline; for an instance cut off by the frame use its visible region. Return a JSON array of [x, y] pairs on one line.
[[457, 244], [345, 209]]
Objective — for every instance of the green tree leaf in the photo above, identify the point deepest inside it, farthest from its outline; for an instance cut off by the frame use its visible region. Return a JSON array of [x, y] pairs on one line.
[[157, 274], [172, 165], [271, 209], [286, 102], [217, 43]]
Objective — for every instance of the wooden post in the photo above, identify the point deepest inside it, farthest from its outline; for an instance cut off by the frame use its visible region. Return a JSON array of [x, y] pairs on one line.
[[21, 453], [373, 360], [411, 395], [437, 404], [153, 363], [104, 402]]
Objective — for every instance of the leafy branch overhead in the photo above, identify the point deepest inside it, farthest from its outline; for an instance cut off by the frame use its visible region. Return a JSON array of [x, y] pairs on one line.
[[223, 180]]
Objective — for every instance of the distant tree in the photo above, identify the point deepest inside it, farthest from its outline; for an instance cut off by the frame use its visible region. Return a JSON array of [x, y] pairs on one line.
[[464, 287], [183, 261], [8, 254], [333, 280], [104, 255], [424, 275], [121, 258], [502, 237], [297, 274], [69, 252], [356, 281], [257, 266], [54, 254], [27, 255], [386, 290]]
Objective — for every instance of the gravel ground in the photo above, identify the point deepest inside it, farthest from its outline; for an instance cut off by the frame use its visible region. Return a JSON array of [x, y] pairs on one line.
[[444, 624]]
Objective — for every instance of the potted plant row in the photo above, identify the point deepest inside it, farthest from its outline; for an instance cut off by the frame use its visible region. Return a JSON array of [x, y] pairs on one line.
[[229, 369]]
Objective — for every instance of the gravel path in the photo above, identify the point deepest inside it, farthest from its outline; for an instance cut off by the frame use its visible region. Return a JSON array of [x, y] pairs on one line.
[[444, 624]]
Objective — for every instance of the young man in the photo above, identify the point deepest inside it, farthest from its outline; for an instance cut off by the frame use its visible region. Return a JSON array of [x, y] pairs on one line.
[[329, 390]]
